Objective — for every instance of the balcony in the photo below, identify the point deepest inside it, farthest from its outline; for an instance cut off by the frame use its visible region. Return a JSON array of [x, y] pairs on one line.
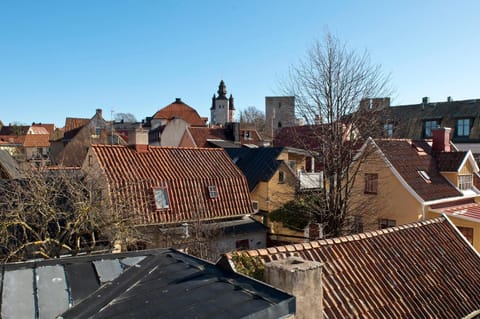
[[310, 181]]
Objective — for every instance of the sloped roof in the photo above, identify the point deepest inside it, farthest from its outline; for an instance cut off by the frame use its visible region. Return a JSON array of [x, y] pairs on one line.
[[450, 161], [409, 119], [49, 127], [145, 284], [307, 137], [466, 209], [186, 172], [179, 109], [37, 140], [8, 166], [14, 130], [420, 270], [257, 164], [408, 157], [73, 126], [37, 130]]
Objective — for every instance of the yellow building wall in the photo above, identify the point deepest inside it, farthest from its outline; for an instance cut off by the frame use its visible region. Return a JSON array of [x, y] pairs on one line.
[[452, 177], [392, 201]]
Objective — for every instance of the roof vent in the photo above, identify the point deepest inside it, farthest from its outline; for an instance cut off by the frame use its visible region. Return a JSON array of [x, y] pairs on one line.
[[178, 100]]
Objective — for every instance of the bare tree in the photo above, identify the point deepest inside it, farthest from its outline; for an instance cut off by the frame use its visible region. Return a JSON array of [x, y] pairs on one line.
[[328, 85], [49, 213], [126, 117], [251, 117]]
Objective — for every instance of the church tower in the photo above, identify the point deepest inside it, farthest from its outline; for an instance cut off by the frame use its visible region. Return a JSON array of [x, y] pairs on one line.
[[222, 110]]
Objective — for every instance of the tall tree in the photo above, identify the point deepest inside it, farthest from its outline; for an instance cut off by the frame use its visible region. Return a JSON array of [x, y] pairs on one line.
[[328, 85], [126, 117]]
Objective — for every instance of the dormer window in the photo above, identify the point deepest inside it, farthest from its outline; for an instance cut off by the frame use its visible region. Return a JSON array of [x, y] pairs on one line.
[[388, 129], [212, 191], [463, 127], [425, 176], [428, 126], [465, 182], [161, 197]]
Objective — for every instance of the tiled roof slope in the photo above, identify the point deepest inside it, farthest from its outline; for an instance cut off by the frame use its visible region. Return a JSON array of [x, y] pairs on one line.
[[409, 118], [420, 270], [306, 137], [186, 172], [450, 161], [37, 140], [257, 164], [73, 126], [408, 157], [181, 110]]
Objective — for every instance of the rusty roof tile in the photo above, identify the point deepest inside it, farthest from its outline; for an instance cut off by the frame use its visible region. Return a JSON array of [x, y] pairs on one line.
[[186, 173], [179, 109], [420, 270]]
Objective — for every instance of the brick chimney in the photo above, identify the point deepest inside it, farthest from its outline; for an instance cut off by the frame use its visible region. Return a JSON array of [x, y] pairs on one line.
[[301, 278], [138, 139], [441, 139]]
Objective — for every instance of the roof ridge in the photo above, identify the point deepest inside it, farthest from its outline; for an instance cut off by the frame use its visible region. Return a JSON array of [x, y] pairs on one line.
[[343, 239]]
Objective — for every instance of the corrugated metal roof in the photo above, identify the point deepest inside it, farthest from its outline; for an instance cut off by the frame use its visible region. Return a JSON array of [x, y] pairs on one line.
[[421, 270]]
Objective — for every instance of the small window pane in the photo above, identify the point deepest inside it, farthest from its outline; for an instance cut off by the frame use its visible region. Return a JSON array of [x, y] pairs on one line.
[[465, 182], [371, 183], [429, 126], [463, 127], [212, 190], [161, 198]]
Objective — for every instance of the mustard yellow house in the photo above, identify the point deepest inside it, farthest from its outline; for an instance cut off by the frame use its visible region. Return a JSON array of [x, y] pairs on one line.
[[400, 181], [275, 175]]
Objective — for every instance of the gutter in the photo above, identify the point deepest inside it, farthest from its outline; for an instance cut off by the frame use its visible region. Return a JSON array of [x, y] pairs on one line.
[[472, 315]]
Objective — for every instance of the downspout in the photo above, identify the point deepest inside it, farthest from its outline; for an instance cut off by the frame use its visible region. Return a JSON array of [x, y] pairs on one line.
[[423, 211]]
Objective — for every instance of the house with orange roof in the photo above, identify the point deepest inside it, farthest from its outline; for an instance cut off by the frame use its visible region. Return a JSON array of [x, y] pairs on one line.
[[168, 124], [425, 269], [71, 149], [169, 189], [231, 135], [401, 181]]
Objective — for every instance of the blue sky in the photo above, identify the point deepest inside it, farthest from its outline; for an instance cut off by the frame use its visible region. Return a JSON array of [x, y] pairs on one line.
[[63, 59]]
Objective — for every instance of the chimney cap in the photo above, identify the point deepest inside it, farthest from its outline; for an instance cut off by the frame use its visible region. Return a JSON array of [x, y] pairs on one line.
[[177, 100]]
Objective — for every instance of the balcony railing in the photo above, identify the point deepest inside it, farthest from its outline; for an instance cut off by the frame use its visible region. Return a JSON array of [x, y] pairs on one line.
[[310, 180]]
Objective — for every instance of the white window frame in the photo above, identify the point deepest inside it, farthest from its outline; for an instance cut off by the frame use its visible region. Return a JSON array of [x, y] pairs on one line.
[[465, 181], [463, 127], [162, 200], [212, 191]]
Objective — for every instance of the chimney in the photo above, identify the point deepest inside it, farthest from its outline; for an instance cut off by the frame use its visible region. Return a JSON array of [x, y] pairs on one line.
[[138, 139], [301, 278], [178, 100], [99, 112], [425, 100], [441, 139], [449, 99], [232, 131]]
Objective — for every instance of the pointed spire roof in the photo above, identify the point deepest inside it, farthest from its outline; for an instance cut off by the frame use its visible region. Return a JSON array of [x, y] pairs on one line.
[[222, 89]]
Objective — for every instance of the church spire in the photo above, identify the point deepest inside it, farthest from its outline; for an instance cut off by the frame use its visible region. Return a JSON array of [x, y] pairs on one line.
[[222, 89]]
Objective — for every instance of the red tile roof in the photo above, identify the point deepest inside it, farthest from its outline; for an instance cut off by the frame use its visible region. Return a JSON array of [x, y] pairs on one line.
[[49, 127], [420, 270], [179, 109], [75, 123], [468, 209], [408, 158], [186, 172], [37, 140]]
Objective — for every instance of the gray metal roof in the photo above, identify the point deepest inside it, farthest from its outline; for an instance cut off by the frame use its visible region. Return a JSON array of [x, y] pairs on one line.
[[161, 283]]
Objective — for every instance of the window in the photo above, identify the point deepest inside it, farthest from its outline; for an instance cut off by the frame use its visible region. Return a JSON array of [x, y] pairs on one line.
[[428, 126], [281, 177], [386, 223], [98, 131], [279, 124], [371, 183], [463, 127], [425, 176], [465, 182], [161, 197], [467, 232], [388, 128], [212, 191]]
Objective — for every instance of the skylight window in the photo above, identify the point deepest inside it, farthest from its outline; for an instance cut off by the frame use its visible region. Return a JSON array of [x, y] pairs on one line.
[[161, 197], [425, 176], [212, 191]]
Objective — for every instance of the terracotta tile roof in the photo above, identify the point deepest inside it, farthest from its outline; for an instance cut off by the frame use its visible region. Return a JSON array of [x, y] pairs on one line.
[[450, 161], [37, 140], [186, 172], [466, 209], [49, 127], [420, 270], [304, 137], [37, 130], [14, 130], [179, 109], [12, 139], [72, 123], [202, 135], [408, 158]]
